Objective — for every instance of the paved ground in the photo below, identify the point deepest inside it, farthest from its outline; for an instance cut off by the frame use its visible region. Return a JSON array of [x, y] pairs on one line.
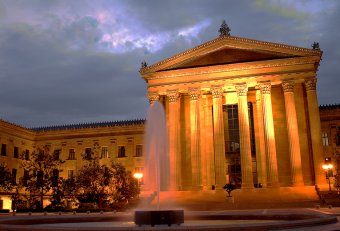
[[330, 227], [256, 201]]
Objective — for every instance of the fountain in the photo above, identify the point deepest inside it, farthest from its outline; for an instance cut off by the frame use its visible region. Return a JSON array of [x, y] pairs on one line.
[[157, 170], [156, 180]]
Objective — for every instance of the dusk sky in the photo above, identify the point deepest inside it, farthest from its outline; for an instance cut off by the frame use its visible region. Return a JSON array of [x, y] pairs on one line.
[[77, 61]]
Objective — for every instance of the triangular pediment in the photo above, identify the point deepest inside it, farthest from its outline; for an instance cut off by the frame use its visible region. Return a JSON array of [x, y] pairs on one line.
[[229, 50], [229, 56]]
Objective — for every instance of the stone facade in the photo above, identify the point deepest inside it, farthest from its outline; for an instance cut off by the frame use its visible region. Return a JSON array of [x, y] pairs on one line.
[[258, 114], [330, 134], [116, 141], [238, 110]]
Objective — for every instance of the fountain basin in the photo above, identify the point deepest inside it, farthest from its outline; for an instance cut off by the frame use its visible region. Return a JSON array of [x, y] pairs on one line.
[[159, 217], [200, 220]]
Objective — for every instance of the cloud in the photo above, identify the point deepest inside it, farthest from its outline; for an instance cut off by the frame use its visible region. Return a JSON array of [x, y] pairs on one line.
[[75, 61]]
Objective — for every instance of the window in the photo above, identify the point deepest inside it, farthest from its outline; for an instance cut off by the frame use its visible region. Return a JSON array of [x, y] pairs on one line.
[[27, 154], [16, 152], [14, 176], [233, 143], [325, 139], [56, 154], [88, 153], [139, 150], [70, 174], [106, 176], [121, 151], [25, 178], [105, 152], [3, 150], [71, 154], [55, 177], [40, 179]]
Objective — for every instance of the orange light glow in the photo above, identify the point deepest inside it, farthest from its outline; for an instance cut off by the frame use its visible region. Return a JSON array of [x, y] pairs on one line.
[[327, 166], [138, 175]]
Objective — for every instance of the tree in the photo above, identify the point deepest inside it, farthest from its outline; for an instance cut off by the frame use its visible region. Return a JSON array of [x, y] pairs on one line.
[[41, 172], [95, 182], [127, 187], [6, 181], [104, 185], [69, 189]]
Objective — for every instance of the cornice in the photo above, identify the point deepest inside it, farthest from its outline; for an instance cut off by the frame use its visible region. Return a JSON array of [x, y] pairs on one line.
[[17, 130], [250, 79], [231, 41], [233, 67]]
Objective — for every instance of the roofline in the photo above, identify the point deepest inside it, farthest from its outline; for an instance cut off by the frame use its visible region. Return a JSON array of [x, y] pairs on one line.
[[153, 67]]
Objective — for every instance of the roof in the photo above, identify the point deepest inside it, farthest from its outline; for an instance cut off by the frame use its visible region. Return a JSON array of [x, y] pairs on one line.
[[232, 49], [90, 125], [325, 107], [79, 126]]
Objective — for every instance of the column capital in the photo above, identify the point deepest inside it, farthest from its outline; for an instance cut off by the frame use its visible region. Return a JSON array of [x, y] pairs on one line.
[[173, 96], [265, 87], [194, 93], [217, 91], [288, 85], [153, 96], [241, 89], [310, 84]]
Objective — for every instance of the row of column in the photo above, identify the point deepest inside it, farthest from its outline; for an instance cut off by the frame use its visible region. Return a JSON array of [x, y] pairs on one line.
[[268, 172]]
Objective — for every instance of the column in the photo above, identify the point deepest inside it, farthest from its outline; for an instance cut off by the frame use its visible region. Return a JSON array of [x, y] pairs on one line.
[[174, 139], [244, 130], [220, 165], [153, 96], [209, 142], [293, 134], [315, 130], [202, 143], [261, 147], [269, 134], [194, 94]]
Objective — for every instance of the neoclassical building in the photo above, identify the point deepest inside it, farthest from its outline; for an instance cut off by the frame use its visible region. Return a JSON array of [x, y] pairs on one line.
[[240, 110]]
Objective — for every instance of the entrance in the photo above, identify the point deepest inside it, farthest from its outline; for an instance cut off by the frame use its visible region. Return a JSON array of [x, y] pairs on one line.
[[232, 143]]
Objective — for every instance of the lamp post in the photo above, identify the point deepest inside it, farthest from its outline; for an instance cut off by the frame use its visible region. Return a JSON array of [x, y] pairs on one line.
[[138, 176], [327, 168]]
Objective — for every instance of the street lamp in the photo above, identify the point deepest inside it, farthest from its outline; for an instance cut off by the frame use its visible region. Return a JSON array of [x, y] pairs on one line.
[[138, 175], [327, 168]]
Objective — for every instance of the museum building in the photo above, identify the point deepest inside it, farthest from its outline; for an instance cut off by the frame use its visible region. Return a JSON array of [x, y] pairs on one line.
[[238, 110]]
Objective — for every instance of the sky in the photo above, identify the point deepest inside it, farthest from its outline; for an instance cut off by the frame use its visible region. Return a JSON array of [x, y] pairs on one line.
[[77, 61]]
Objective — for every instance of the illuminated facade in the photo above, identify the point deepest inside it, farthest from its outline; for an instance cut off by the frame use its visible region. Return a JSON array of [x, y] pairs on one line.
[[330, 134], [240, 110]]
